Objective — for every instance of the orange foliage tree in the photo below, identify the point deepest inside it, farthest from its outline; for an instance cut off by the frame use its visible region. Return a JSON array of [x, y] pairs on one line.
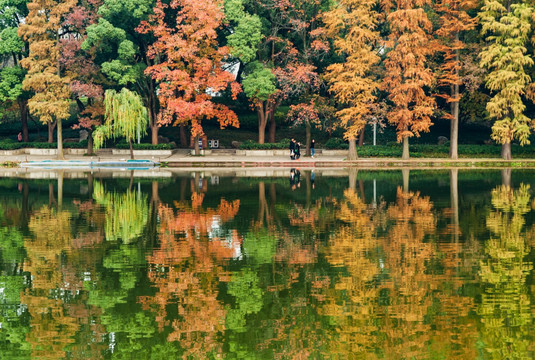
[[454, 20], [43, 31], [407, 71], [189, 63], [353, 26]]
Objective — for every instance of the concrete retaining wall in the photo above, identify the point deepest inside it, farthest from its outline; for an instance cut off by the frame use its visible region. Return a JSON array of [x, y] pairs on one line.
[[126, 152], [42, 152], [334, 152]]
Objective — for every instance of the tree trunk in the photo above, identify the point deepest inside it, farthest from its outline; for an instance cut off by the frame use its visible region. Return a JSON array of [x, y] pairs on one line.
[[183, 189], [23, 105], [131, 149], [154, 134], [51, 127], [51, 197], [155, 199], [506, 151], [90, 149], [506, 177], [454, 131], [60, 189], [361, 136], [361, 190], [196, 146], [90, 186], [262, 204], [352, 155], [183, 137], [353, 172], [262, 121], [308, 184], [25, 208], [272, 127], [308, 139], [454, 195], [406, 174], [405, 155], [60, 140], [153, 118]]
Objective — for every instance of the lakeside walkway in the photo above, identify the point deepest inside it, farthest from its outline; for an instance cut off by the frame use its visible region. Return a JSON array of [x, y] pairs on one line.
[[183, 159]]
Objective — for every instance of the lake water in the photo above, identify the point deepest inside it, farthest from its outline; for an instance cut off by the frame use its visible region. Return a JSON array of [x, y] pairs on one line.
[[361, 265]]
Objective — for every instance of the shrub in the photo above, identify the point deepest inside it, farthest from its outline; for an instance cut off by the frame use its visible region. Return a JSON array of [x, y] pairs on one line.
[[253, 145], [335, 143]]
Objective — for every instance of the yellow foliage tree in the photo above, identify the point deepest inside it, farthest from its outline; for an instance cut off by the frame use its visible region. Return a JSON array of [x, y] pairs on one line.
[[42, 30], [353, 26]]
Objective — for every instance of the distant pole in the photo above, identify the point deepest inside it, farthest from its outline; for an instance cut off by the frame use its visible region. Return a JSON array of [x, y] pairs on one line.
[[138, 135], [374, 133]]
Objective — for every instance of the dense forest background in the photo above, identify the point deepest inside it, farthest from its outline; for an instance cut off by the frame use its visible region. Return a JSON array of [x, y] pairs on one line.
[[268, 70]]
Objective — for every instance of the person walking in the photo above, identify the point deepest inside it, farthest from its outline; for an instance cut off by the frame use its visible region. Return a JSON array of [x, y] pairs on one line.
[[297, 150], [312, 148], [292, 149]]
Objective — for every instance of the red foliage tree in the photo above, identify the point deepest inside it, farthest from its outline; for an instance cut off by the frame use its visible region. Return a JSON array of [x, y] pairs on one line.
[[189, 66], [85, 75]]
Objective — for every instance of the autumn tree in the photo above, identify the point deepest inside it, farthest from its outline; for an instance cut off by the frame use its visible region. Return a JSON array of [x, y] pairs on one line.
[[308, 115], [190, 67], [12, 50], [408, 76], [86, 78], [454, 20], [352, 24], [279, 64], [43, 29], [506, 26], [125, 117]]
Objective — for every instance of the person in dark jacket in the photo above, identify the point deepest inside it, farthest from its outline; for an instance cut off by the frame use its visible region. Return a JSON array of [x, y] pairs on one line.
[[297, 150], [312, 148], [292, 149]]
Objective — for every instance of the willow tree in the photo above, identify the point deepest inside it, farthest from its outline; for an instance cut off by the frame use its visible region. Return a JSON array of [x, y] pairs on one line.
[[125, 117], [408, 74], [353, 26], [43, 30], [507, 26]]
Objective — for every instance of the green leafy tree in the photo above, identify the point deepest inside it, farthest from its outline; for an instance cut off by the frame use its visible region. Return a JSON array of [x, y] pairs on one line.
[[12, 50], [125, 117], [507, 26], [121, 51]]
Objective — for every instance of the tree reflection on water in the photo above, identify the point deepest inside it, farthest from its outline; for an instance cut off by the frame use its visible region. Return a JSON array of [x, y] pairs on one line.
[[247, 268]]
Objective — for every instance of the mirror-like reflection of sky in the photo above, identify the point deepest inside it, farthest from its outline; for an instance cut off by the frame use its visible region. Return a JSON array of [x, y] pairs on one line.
[[366, 265]]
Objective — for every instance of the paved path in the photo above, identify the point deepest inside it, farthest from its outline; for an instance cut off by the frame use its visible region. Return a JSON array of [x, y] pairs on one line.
[[182, 159]]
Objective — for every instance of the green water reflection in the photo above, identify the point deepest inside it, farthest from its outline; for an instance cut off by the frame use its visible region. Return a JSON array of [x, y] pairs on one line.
[[366, 265]]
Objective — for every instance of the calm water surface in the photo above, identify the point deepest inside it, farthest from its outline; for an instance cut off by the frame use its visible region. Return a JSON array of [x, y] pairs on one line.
[[367, 265]]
